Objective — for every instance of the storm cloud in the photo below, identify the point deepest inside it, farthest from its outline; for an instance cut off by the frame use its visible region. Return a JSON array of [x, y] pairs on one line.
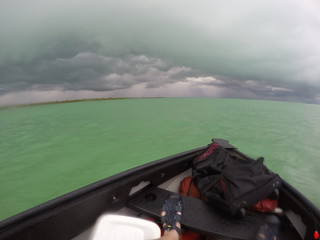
[[264, 50]]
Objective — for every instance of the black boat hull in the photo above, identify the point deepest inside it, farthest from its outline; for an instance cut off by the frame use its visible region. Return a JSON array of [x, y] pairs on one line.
[[69, 215]]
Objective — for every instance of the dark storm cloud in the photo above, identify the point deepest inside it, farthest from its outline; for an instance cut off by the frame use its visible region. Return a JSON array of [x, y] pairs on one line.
[[262, 89], [268, 48], [89, 71]]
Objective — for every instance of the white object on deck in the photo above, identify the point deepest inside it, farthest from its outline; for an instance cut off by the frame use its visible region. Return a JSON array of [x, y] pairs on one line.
[[117, 227]]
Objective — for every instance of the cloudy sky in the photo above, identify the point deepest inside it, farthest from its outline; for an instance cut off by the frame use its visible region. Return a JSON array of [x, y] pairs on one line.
[[57, 50]]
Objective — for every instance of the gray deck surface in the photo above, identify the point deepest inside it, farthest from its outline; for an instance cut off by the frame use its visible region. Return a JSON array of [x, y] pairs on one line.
[[202, 217]]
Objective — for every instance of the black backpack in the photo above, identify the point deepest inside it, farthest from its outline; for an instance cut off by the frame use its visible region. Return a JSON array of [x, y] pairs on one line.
[[232, 183]]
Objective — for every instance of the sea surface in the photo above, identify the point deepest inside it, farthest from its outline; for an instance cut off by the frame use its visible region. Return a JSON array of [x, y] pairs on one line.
[[49, 150]]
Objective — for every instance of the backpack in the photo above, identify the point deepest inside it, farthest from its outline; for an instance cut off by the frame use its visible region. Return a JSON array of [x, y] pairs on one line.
[[231, 182]]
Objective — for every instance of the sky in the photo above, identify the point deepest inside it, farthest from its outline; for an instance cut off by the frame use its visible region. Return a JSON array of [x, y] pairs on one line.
[[75, 49]]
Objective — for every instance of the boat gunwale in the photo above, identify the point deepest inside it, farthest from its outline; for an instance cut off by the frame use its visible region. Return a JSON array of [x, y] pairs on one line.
[[81, 192]]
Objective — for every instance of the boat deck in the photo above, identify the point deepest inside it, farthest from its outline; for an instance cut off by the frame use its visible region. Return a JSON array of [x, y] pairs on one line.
[[202, 217]]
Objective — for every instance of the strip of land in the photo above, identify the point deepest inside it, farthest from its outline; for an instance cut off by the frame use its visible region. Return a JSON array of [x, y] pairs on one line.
[[66, 101]]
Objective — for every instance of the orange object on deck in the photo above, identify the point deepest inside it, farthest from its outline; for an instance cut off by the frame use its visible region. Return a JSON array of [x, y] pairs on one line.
[[187, 188]]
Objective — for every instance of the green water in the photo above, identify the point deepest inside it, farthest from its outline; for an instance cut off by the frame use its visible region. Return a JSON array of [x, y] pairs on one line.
[[49, 150]]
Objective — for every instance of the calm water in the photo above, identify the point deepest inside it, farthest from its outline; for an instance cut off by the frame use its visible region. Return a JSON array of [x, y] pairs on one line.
[[49, 150]]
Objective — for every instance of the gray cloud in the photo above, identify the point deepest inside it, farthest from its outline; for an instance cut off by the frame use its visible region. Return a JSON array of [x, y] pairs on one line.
[[268, 49], [90, 71]]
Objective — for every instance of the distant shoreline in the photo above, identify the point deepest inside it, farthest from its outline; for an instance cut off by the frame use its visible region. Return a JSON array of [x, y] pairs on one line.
[[69, 101]]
